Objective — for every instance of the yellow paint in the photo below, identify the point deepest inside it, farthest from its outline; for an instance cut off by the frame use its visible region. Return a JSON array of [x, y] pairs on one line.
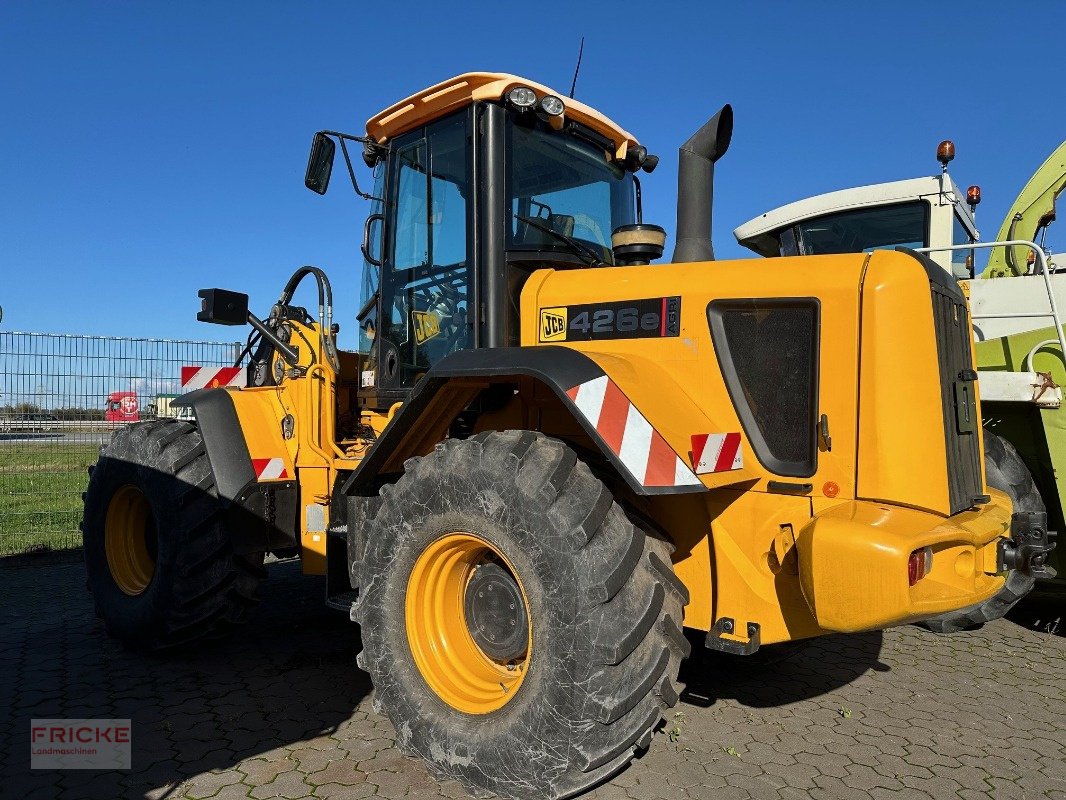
[[750, 583], [127, 526], [312, 456], [902, 451], [450, 95], [801, 562], [449, 660], [675, 381], [853, 562]]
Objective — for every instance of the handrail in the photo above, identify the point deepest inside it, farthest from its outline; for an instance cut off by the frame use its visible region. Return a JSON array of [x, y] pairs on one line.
[[1042, 266]]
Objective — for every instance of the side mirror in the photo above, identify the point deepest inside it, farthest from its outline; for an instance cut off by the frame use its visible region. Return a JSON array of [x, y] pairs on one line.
[[372, 244], [223, 307], [320, 163]]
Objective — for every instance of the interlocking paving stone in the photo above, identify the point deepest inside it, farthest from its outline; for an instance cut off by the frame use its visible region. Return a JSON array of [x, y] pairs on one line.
[[280, 710]]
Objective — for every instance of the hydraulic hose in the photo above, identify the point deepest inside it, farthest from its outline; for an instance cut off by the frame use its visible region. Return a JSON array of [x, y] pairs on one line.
[[325, 308]]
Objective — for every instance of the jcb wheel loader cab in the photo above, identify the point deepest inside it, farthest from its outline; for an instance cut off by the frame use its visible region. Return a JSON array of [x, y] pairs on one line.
[[478, 190]]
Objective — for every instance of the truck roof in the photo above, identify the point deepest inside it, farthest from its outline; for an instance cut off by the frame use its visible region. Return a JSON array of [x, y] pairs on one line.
[[469, 87], [751, 233]]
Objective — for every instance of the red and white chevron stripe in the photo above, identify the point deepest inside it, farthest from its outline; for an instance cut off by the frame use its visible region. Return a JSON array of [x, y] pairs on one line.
[[641, 448], [716, 452], [270, 469], [212, 377]]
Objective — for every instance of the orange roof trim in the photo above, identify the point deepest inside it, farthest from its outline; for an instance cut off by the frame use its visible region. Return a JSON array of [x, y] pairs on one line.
[[464, 89]]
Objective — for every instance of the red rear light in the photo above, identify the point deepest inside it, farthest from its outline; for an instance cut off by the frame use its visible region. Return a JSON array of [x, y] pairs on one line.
[[919, 565]]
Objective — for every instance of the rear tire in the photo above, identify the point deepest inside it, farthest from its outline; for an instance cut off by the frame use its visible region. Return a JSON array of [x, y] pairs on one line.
[[603, 604], [160, 563], [1004, 470]]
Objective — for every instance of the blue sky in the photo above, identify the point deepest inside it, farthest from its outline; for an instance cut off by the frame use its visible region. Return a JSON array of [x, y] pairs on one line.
[[151, 149]]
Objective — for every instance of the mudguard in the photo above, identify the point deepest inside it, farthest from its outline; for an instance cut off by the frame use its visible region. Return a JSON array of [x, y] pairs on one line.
[[595, 387], [262, 514]]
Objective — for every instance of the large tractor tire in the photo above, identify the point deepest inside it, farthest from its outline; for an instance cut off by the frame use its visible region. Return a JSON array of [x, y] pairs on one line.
[[523, 635], [1004, 470], [158, 555]]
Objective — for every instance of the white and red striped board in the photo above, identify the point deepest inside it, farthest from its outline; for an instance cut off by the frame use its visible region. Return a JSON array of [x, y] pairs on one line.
[[641, 449], [193, 377], [716, 452], [270, 469]]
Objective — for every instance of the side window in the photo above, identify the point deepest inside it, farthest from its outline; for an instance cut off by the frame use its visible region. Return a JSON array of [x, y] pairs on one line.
[[411, 243], [371, 281], [424, 280], [768, 353]]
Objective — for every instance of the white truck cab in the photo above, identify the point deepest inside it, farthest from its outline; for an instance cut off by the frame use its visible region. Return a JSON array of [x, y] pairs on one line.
[[916, 213]]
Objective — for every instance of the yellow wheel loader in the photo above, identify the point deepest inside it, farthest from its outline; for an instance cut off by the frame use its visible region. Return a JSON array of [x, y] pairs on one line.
[[550, 456]]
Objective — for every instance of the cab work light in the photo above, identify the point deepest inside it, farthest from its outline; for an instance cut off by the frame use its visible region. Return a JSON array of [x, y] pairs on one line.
[[522, 98]]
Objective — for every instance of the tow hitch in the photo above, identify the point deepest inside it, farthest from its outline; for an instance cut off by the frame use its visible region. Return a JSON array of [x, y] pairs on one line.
[[1029, 545]]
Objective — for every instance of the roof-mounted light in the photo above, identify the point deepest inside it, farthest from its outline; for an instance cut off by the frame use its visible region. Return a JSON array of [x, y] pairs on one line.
[[522, 97], [551, 105], [973, 196], [945, 152]]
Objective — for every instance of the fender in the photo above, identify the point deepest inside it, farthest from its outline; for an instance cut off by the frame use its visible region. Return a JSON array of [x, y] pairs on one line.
[[261, 516], [650, 462]]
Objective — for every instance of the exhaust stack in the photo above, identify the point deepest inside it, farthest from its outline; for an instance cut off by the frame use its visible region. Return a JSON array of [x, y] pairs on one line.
[[695, 186]]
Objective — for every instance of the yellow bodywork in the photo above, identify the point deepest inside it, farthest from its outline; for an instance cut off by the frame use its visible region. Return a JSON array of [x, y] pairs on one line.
[[450, 95], [312, 455], [797, 560], [833, 558]]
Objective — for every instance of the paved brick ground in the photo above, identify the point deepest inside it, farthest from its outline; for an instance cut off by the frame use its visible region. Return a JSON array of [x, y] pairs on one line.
[[280, 710]]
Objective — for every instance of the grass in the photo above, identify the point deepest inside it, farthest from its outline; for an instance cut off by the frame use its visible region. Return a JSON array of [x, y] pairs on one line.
[[40, 494]]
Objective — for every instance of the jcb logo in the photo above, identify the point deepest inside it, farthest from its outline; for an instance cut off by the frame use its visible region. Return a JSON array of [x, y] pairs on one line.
[[553, 324], [427, 325]]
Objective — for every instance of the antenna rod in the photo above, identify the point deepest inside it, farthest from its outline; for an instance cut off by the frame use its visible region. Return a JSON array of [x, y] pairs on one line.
[[577, 69]]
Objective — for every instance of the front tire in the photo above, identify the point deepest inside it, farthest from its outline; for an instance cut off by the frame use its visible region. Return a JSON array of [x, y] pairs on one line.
[[582, 688], [160, 563]]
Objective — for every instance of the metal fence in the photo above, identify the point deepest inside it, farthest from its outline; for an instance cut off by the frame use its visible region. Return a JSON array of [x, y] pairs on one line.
[[61, 397]]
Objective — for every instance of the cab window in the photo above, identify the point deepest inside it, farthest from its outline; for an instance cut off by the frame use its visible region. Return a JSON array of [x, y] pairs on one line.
[[424, 279], [864, 230], [564, 187]]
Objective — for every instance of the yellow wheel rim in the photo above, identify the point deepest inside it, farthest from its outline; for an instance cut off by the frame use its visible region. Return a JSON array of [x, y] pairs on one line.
[[451, 661], [129, 540]]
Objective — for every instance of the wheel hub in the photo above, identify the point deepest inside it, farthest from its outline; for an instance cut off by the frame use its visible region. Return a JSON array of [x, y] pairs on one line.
[[496, 614], [467, 620], [130, 540]]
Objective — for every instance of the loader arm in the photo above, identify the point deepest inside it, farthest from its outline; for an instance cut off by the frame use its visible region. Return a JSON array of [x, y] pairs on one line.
[[1029, 216]]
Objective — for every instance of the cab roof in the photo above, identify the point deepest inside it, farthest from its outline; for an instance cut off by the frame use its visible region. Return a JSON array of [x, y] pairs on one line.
[[452, 94], [753, 232]]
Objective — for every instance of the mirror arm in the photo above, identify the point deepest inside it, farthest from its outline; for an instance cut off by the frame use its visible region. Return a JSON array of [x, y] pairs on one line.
[[342, 137], [288, 352]]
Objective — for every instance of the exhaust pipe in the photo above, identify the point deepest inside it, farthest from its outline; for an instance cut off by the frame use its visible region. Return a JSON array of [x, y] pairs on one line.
[[695, 186]]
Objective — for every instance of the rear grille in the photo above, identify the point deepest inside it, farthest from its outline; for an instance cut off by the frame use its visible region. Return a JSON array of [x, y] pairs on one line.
[[957, 382]]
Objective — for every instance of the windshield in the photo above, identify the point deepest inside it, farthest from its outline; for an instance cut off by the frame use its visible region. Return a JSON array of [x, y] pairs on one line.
[[568, 185], [859, 231]]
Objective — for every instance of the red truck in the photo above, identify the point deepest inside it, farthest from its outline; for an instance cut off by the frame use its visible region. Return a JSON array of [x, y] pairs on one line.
[[122, 407]]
